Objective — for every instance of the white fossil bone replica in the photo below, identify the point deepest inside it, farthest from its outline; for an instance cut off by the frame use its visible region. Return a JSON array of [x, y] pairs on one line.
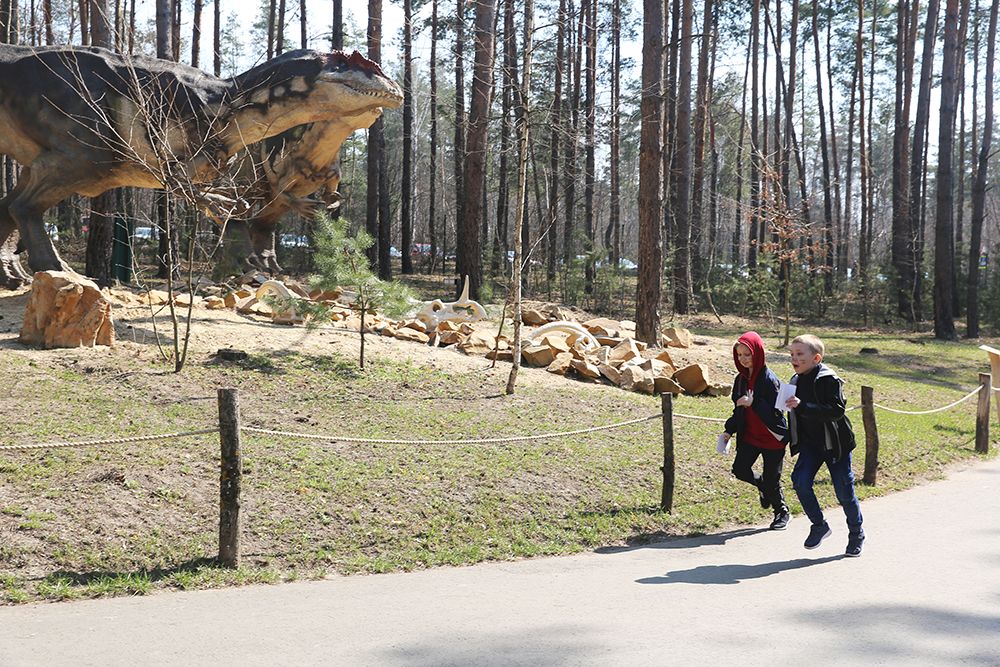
[[464, 310]]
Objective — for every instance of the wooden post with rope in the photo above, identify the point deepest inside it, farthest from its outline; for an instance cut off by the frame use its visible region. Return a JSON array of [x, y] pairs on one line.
[[994, 370], [667, 499], [230, 478], [871, 435], [983, 414]]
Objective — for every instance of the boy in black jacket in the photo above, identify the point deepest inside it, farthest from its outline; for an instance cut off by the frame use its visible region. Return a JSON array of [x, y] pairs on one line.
[[821, 433]]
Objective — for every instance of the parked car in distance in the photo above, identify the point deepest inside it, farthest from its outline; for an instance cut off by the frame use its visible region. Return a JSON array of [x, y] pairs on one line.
[[294, 241], [394, 252], [420, 250], [140, 234]]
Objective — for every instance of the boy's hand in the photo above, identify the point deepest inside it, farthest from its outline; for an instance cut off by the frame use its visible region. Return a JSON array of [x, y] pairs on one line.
[[746, 400], [792, 403]]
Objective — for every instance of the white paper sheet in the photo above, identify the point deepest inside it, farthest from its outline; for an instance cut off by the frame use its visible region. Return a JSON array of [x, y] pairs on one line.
[[722, 447], [785, 392]]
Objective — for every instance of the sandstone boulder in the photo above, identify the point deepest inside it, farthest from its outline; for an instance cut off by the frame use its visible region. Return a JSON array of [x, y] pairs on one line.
[[538, 355], [602, 326], [678, 338], [407, 333], [478, 343], [557, 343], [66, 310], [561, 363], [625, 350], [665, 385], [637, 379], [585, 369], [533, 318], [610, 372], [693, 378]]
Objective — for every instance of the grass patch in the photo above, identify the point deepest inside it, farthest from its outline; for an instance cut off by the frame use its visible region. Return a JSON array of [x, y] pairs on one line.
[[130, 518]]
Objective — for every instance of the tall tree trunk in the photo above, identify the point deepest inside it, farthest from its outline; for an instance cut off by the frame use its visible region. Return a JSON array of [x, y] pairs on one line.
[[499, 259], [859, 66], [216, 38], [459, 150], [555, 141], [979, 184], [944, 228], [917, 154], [825, 153], [372, 222], [682, 241], [433, 138], [100, 238], [614, 138], [589, 9], [902, 235], [524, 121], [272, 10], [303, 25], [648, 287], [279, 37], [573, 53], [196, 34], [406, 196], [755, 151], [474, 178], [337, 31], [698, 180]]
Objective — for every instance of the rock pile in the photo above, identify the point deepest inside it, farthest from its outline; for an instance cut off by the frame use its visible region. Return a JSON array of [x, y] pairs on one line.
[[618, 358]]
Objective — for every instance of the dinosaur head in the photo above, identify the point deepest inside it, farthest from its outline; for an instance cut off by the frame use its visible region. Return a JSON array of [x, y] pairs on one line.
[[307, 86]]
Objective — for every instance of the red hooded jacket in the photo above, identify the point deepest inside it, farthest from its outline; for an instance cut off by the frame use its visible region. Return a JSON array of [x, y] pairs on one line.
[[765, 387]]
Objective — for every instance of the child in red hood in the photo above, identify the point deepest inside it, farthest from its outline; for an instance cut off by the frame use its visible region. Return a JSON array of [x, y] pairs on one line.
[[759, 427]]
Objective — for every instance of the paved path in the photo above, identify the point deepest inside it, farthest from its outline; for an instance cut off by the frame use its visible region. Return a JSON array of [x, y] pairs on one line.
[[926, 591]]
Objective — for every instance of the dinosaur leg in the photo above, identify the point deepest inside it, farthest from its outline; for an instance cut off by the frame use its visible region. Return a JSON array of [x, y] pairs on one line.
[[39, 188], [12, 275], [262, 236]]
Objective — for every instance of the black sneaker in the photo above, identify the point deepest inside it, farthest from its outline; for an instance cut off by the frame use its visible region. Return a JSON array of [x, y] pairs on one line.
[[817, 534], [854, 545], [781, 519], [764, 502]]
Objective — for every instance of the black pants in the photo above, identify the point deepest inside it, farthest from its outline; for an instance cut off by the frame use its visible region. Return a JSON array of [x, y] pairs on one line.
[[769, 483]]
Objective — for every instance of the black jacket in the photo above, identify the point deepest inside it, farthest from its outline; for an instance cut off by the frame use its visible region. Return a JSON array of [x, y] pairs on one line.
[[765, 392], [820, 421]]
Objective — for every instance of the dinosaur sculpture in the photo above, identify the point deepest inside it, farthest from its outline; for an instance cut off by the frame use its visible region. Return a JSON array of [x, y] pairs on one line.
[[85, 120], [296, 164]]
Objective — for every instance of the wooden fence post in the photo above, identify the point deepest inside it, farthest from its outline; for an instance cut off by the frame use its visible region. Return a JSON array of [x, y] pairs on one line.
[[871, 435], [230, 478], [983, 414], [667, 499]]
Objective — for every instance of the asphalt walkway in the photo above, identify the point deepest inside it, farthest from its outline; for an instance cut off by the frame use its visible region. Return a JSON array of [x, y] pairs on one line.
[[926, 591]]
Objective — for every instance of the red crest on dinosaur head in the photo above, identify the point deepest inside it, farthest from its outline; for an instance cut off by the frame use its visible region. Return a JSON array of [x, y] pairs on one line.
[[355, 60]]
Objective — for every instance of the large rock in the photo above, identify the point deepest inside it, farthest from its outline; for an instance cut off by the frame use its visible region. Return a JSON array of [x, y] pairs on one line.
[[561, 363], [478, 343], [693, 378], [602, 326], [66, 310], [625, 350], [610, 372], [538, 355], [637, 379], [532, 317], [409, 333], [665, 385], [678, 338], [586, 369]]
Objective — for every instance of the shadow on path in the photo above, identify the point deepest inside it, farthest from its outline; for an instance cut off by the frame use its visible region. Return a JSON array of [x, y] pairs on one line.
[[733, 574]]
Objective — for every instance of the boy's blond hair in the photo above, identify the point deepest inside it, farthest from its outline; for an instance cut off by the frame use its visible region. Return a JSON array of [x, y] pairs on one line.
[[812, 342]]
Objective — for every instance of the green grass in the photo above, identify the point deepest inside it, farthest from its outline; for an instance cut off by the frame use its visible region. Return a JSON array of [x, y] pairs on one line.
[[129, 518]]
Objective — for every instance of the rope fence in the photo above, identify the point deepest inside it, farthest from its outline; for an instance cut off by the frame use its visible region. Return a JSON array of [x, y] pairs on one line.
[[231, 465]]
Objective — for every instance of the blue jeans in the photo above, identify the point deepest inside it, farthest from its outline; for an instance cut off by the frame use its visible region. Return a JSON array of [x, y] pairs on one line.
[[842, 477]]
